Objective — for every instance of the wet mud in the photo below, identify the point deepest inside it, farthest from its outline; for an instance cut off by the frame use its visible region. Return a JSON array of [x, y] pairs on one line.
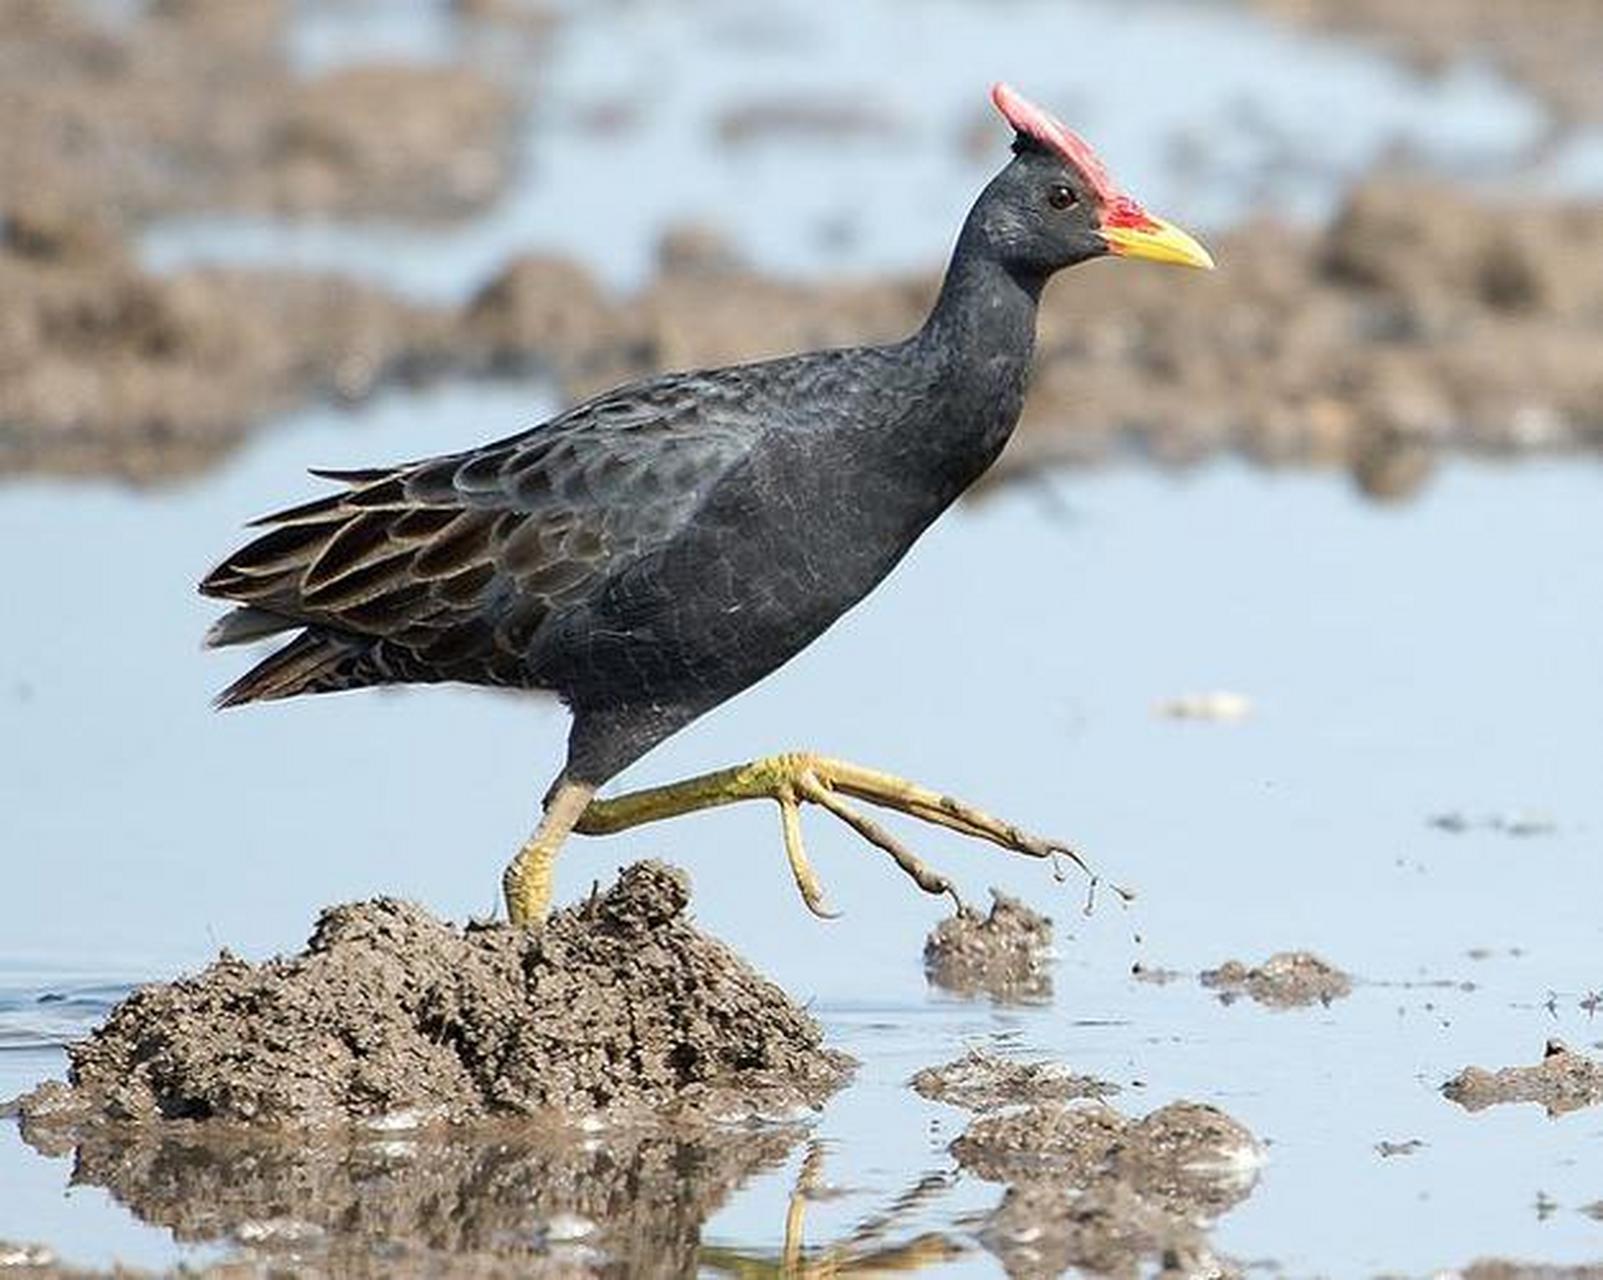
[[1286, 980], [1422, 321], [1093, 1189], [1005, 954], [618, 1011], [1562, 1081], [984, 1081]]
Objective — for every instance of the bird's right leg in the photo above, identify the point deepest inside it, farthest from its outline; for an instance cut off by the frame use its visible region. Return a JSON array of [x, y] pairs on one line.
[[526, 882], [796, 778]]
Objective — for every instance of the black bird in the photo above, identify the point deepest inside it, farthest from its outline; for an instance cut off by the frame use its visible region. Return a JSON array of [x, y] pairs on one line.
[[657, 549]]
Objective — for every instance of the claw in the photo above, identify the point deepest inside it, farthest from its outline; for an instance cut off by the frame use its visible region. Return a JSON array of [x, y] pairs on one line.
[[930, 881], [801, 869]]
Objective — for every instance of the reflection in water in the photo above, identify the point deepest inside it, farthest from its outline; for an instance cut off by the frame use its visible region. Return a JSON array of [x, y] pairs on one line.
[[626, 1202], [863, 1251]]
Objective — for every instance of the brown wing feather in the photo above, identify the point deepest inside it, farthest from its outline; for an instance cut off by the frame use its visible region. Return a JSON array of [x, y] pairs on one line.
[[449, 567]]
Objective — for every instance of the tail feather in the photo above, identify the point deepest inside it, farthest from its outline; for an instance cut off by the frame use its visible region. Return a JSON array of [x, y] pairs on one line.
[[247, 623], [316, 661]]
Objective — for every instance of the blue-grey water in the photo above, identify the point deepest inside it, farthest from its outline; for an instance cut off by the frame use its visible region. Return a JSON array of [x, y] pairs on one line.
[[1402, 663]]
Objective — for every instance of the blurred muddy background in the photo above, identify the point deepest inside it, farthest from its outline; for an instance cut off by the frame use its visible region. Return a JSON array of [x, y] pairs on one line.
[[1284, 603]]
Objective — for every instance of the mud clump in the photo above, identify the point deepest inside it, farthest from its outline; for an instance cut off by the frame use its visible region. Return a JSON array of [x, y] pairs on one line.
[[618, 1008], [1090, 1188], [1005, 955], [1287, 980], [1562, 1081], [982, 1081]]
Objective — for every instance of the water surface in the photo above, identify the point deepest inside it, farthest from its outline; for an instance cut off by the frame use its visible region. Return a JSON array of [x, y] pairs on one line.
[[1403, 663]]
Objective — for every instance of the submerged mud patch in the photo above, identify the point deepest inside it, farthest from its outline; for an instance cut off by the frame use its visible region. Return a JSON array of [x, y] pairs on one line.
[[1005, 955], [983, 1081], [1286, 980], [1091, 1188], [618, 1008], [1562, 1081]]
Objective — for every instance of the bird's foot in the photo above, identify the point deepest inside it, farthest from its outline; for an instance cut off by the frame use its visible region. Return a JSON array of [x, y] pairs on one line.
[[526, 883], [795, 778]]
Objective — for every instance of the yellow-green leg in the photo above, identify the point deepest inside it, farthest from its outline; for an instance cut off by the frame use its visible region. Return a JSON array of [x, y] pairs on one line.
[[526, 882], [797, 777]]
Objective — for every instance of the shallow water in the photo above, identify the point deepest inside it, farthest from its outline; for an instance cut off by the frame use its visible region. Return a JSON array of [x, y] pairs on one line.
[[1403, 663]]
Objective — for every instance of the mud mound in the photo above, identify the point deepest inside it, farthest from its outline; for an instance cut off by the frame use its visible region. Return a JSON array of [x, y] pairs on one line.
[[982, 1081], [1562, 1081], [1093, 1189], [1287, 980], [1005, 955], [617, 1008]]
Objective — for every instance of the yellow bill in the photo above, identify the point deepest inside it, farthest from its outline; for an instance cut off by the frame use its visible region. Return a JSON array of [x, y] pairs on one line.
[[1148, 237]]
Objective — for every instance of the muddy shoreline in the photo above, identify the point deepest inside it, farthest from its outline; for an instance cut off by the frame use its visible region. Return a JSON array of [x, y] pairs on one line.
[[1421, 323]]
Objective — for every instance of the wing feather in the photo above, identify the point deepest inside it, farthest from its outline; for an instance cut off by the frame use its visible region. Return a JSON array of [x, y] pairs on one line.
[[463, 559]]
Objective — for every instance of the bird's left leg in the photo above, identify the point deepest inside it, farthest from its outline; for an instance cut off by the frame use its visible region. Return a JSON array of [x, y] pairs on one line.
[[801, 777], [526, 882]]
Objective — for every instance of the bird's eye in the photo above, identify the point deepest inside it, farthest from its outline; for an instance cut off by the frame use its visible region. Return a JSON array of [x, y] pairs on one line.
[[1061, 196]]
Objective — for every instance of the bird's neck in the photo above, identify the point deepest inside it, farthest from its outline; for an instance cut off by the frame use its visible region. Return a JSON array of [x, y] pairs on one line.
[[976, 348], [982, 327]]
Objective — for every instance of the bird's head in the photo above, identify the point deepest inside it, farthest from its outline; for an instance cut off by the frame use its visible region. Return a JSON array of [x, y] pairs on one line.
[[1056, 205]]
